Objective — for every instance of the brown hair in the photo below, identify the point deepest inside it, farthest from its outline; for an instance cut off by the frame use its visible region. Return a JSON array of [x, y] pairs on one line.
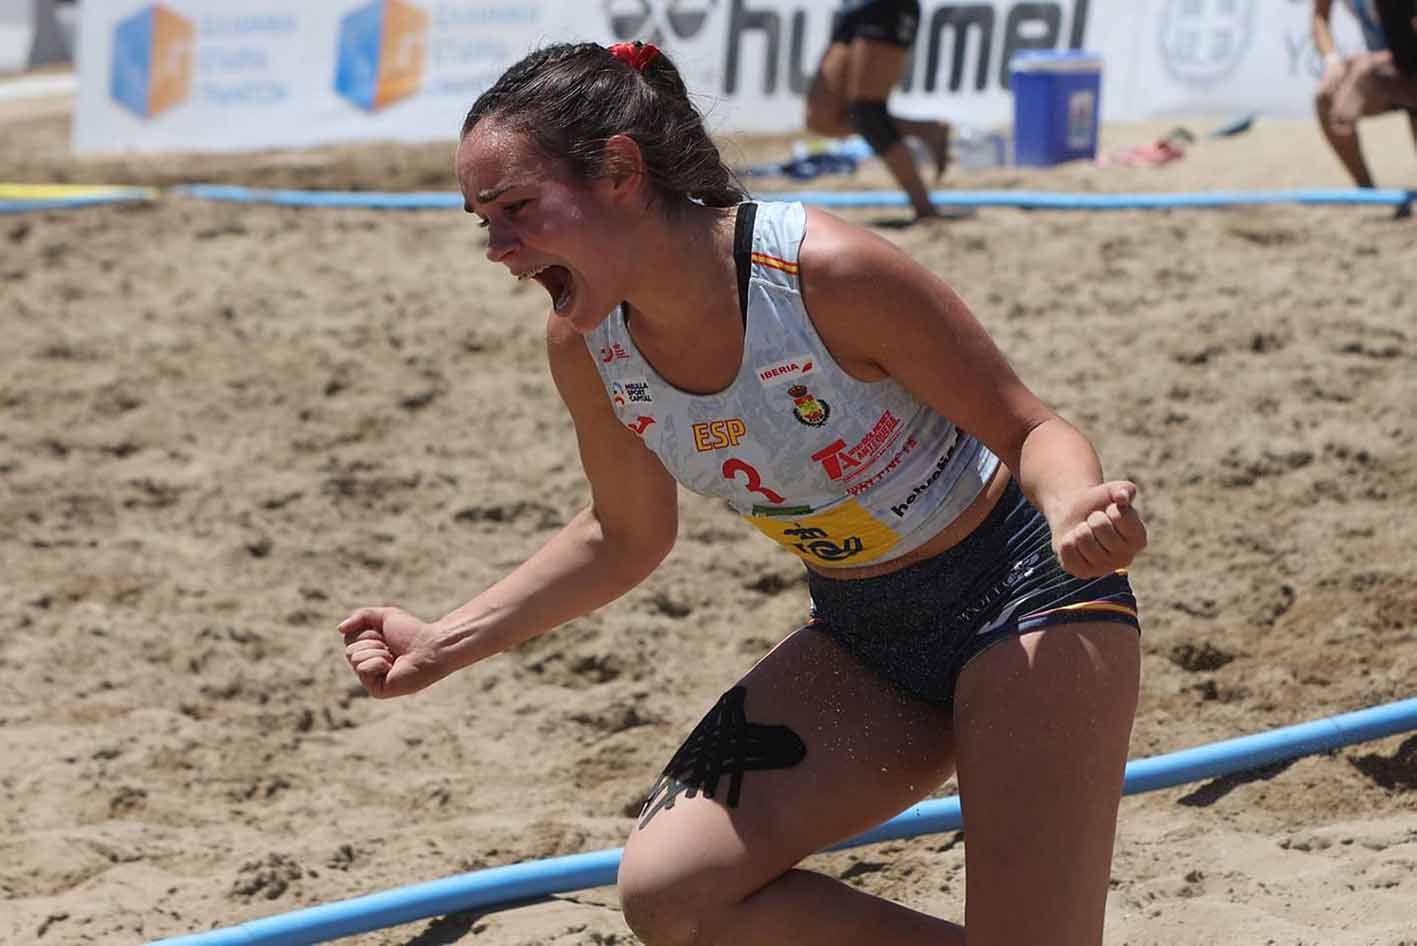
[[570, 99]]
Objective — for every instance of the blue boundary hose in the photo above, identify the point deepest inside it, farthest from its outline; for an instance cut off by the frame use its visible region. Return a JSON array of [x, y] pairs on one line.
[[23, 205], [501, 885], [1052, 200], [1024, 200], [1027, 200], [375, 200]]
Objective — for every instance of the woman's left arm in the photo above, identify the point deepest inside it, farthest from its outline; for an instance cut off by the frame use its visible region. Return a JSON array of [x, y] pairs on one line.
[[883, 314]]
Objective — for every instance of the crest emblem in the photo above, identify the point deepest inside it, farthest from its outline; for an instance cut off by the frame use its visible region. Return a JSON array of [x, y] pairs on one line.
[[1204, 41], [807, 408]]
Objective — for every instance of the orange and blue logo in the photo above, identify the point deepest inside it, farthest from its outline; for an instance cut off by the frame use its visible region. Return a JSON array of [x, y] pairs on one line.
[[383, 46], [152, 61]]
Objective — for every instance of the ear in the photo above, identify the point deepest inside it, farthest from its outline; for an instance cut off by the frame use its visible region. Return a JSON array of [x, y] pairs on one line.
[[624, 166]]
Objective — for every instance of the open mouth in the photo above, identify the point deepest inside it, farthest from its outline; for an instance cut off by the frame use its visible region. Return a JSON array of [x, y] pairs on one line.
[[557, 281]]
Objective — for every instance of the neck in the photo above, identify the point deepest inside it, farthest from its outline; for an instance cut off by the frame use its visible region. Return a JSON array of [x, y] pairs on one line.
[[684, 269]]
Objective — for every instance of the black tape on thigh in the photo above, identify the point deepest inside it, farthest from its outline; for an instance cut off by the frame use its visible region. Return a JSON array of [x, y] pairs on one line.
[[722, 747], [874, 123]]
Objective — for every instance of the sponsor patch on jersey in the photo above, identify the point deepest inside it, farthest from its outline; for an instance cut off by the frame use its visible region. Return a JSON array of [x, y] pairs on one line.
[[631, 391], [846, 534], [920, 489], [787, 371], [840, 462], [878, 477], [797, 511]]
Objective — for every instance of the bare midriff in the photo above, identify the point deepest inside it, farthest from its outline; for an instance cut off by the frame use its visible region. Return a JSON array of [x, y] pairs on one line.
[[948, 537]]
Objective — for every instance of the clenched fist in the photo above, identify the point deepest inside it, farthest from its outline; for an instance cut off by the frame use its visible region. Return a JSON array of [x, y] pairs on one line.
[[392, 652], [1099, 530]]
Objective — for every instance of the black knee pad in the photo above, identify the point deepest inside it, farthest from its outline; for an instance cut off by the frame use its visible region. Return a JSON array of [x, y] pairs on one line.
[[874, 123]]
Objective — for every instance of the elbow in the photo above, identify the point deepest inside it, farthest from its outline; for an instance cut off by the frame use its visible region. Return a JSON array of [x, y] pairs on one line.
[[1012, 453], [632, 552], [637, 555]]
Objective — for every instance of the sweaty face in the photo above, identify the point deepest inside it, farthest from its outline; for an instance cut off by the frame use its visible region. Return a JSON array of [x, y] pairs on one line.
[[542, 223]]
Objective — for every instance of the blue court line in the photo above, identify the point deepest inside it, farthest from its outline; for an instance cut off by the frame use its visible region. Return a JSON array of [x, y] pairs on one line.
[[377, 200], [1027, 200], [24, 205], [1051, 200], [497, 886]]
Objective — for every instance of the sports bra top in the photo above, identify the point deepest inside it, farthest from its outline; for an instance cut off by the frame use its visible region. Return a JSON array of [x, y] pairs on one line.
[[840, 471]]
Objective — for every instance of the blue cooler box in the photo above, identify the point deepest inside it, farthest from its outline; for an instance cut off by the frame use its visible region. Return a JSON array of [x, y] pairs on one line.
[[1057, 96]]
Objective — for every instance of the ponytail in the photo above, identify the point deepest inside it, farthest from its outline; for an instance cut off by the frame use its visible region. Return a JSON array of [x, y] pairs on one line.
[[570, 99]]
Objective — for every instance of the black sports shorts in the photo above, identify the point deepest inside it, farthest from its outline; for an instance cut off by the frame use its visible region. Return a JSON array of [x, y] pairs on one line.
[[885, 21], [919, 626]]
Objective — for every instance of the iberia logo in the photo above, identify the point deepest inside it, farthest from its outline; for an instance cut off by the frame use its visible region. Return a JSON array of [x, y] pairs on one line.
[[382, 48], [152, 61], [786, 371], [806, 408]]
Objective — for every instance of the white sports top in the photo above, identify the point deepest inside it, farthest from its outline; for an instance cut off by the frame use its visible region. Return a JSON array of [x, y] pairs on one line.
[[842, 472]]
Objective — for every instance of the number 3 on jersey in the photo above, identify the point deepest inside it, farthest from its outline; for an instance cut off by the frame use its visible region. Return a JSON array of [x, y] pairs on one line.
[[731, 469]]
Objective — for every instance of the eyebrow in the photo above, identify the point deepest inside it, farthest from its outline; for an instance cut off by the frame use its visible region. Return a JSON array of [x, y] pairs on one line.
[[487, 196]]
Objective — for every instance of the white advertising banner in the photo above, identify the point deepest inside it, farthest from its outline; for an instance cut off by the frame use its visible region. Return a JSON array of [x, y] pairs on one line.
[[202, 75], [1211, 56], [212, 75], [750, 61]]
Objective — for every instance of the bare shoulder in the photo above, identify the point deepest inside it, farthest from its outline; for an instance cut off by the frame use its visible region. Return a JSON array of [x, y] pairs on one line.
[[632, 493], [567, 353], [858, 286], [844, 265], [833, 249]]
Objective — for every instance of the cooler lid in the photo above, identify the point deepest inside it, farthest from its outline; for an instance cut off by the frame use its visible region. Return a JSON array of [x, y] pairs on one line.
[[1049, 60]]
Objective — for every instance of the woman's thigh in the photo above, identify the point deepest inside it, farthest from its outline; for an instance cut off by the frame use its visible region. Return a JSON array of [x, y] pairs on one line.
[[829, 81], [827, 93], [808, 749], [1042, 724]]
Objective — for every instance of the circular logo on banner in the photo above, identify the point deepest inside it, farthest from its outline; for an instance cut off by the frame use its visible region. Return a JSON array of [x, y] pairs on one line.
[[1203, 41], [655, 22]]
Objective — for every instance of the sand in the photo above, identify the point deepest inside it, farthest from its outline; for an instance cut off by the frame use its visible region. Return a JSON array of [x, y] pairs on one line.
[[223, 427]]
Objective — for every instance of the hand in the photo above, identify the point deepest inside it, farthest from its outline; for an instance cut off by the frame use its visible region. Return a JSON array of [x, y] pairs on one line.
[[1099, 530], [1335, 68], [1358, 93], [392, 652]]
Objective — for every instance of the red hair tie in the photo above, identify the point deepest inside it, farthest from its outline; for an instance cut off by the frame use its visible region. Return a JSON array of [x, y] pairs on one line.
[[636, 55]]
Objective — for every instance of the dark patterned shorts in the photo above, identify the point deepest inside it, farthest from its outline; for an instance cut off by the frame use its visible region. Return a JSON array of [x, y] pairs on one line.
[[885, 21], [919, 626]]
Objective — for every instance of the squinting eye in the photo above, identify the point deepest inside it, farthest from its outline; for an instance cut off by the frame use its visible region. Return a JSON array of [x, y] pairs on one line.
[[515, 207]]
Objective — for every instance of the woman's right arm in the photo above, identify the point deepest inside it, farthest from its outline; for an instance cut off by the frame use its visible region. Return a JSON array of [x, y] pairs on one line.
[[604, 551]]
